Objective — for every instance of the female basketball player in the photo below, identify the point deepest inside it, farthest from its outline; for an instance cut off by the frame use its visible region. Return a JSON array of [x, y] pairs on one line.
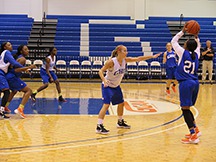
[[111, 91], [48, 75], [186, 74], [6, 59], [169, 58], [14, 81]]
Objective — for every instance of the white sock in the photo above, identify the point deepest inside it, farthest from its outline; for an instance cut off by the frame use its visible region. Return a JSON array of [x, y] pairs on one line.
[[120, 118], [2, 109], [100, 121]]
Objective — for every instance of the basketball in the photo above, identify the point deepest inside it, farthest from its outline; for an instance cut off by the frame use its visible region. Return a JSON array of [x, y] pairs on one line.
[[193, 27]]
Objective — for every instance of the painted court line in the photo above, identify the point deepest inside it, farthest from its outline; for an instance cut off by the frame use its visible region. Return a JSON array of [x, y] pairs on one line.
[[101, 143]]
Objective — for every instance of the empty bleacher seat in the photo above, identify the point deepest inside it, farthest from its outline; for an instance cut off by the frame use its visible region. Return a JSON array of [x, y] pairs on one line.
[[132, 69], [143, 69], [74, 68], [36, 70], [85, 69], [155, 69], [96, 66], [62, 67]]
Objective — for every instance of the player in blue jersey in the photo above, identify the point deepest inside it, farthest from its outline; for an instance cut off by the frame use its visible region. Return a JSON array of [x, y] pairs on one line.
[[48, 75], [14, 81], [111, 90], [6, 59], [186, 74], [169, 58]]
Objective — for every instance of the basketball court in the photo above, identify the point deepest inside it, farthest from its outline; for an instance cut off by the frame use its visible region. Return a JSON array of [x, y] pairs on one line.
[[56, 131]]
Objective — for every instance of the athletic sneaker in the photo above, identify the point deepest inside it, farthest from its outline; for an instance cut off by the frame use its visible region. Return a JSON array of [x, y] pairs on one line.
[[101, 130], [193, 139], [33, 97], [122, 124], [2, 114], [61, 99], [7, 110], [168, 92], [19, 111], [174, 89], [198, 133]]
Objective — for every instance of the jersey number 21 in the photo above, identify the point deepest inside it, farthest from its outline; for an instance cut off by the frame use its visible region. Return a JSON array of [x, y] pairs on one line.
[[189, 67]]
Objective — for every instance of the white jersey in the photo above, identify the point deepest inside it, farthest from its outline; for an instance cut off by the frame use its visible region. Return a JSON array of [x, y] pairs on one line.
[[4, 66], [116, 73], [52, 63]]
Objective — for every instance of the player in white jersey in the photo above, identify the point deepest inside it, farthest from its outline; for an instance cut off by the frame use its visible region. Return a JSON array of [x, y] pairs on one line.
[[6, 59], [48, 75], [111, 90]]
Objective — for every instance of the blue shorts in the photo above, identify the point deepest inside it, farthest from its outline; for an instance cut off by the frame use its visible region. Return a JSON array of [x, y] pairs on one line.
[[3, 82], [170, 72], [45, 76], [16, 84], [113, 95], [188, 92]]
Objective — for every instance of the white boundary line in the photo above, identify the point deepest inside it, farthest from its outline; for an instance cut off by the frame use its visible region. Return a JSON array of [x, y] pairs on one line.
[[97, 143]]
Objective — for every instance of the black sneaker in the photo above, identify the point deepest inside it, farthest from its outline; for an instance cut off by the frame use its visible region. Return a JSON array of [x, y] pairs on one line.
[[33, 97], [122, 124], [3, 116], [61, 99], [101, 130]]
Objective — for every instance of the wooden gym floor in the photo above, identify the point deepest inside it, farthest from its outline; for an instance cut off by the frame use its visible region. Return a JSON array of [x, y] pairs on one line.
[[72, 138]]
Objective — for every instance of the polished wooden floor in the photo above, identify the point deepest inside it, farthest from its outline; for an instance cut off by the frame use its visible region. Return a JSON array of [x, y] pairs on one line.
[[62, 138]]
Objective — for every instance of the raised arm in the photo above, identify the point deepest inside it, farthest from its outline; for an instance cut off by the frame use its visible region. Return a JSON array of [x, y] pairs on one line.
[[141, 58], [198, 46], [178, 49]]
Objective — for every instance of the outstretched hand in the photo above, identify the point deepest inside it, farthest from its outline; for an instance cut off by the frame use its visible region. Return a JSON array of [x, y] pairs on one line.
[[157, 55]]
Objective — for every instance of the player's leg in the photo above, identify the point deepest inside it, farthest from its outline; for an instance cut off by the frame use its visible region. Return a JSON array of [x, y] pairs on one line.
[[175, 82], [107, 94], [27, 92], [194, 98], [11, 96], [58, 87], [4, 87], [186, 93], [204, 66], [118, 99], [169, 81], [210, 68], [45, 79]]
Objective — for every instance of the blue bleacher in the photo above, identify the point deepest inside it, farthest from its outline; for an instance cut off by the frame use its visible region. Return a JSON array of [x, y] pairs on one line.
[[101, 36], [15, 29]]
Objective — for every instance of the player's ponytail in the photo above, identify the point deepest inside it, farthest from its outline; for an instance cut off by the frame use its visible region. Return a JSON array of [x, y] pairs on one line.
[[115, 51], [3, 46], [191, 46]]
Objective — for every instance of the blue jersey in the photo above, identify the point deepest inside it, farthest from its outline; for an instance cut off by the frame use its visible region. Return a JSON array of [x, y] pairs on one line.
[[170, 59], [187, 68], [11, 72]]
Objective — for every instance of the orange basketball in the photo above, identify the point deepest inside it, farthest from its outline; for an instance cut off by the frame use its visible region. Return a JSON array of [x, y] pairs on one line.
[[193, 27]]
